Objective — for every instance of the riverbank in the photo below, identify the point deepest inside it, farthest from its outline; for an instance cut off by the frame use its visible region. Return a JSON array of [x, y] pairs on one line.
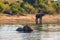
[[28, 19]]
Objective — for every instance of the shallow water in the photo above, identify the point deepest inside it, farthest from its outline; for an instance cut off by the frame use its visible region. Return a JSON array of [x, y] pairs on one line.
[[7, 32]]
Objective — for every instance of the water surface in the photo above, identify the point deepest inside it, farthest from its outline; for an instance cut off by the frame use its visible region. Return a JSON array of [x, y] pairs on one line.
[[7, 32]]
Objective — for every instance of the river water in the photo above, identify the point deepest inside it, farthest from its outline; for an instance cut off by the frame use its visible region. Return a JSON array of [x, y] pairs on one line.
[[8, 32]]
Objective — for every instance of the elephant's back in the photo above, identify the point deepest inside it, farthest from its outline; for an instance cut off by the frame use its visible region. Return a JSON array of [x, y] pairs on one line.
[[38, 15]]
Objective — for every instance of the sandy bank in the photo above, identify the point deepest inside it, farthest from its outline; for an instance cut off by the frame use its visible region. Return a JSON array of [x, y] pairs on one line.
[[28, 19]]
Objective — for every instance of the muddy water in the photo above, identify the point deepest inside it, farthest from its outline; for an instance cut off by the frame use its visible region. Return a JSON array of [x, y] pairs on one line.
[[7, 32]]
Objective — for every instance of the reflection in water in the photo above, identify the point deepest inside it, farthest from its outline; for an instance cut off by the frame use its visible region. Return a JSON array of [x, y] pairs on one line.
[[7, 32]]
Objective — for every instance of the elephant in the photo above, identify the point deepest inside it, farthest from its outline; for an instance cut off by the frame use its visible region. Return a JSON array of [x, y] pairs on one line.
[[25, 29], [39, 16]]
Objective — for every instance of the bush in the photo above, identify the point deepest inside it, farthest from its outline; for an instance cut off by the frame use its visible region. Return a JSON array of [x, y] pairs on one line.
[[7, 12], [29, 8], [4, 6], [1, 9], [6, 2], [57, 7]]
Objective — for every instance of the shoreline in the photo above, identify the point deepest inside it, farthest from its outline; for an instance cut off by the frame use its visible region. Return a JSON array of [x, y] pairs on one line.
[[29, 22], [28, 19]]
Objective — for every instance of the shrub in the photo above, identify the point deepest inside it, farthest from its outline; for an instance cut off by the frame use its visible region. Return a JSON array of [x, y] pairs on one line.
[[29, 8], [1, 9]]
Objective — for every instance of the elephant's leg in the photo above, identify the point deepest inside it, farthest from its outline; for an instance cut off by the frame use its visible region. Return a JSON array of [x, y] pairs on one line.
[[36, 20], [41, 21]]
